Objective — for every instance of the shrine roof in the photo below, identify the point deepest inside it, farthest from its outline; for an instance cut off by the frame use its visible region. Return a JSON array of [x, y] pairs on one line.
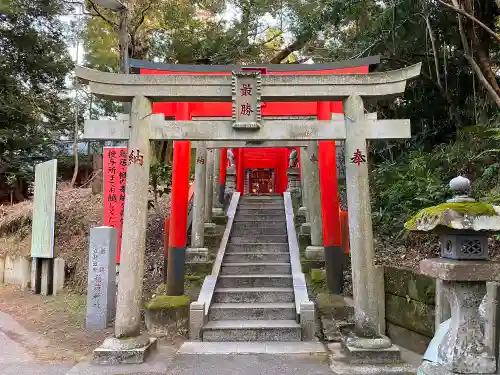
[[365, 61]]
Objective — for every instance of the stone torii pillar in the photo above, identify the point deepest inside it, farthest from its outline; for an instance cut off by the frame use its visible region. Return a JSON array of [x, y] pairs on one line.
[[367, 279], [198, 251], [209, 190], [217, 205], [129, 301], [316, 250], [305, 228]]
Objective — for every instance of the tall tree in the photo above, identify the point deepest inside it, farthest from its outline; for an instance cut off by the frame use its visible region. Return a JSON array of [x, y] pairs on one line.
[[35, 110]]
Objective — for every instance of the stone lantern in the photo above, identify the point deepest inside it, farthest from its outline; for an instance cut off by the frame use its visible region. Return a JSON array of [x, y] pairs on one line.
[[463, 225]]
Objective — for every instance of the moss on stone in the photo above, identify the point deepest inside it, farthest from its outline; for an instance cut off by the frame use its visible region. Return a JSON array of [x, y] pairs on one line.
[[192, 278], [168, 302], [333, 306], [470, 208], [317, 276]]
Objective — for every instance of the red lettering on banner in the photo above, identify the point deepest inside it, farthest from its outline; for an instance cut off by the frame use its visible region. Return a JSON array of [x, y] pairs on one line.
[[115, 176]]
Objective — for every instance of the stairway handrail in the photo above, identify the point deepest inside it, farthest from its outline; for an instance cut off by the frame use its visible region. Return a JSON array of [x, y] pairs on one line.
[[208, 287], [299, 280]]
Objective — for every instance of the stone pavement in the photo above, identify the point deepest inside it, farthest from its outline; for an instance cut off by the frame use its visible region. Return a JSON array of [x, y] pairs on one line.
[[222, 358], [16, 360]]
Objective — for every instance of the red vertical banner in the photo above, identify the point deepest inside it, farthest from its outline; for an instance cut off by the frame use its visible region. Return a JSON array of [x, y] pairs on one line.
[[115, 176]]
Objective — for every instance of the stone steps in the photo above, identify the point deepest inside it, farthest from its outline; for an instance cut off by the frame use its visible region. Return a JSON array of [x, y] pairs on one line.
[[255, 281], [257, 248], [254, 297], [255, 268], [262, 206], [259, 218], [261, 198], [259, 224], [261, 257], [269, 238], [262, 231], [261, 211], [253, 311], [252, 330], [245, 295]]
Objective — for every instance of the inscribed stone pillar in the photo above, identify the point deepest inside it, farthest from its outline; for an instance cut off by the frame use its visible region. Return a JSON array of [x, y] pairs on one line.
[[101, 286], [209, 192], [316, 249], [365, 291], [305, 173], [129, 301], [198, 229], [230, 187], [217, 205]]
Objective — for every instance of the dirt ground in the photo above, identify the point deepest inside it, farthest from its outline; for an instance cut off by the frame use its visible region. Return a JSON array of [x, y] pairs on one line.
[[59, 320]]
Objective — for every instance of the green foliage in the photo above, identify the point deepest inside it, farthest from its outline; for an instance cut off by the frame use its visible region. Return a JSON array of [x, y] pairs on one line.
[[160, 174], [34, 64], [317, 280], [418, 179]]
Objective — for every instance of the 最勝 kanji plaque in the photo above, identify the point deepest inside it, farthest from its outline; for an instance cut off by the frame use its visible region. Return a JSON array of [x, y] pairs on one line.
[[246, 100]]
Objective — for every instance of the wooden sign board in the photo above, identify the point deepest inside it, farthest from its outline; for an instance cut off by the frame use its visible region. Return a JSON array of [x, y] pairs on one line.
[[44, 210]]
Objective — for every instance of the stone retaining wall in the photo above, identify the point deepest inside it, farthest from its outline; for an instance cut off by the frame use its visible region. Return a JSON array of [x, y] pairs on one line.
[[16, 270], [409, 308]]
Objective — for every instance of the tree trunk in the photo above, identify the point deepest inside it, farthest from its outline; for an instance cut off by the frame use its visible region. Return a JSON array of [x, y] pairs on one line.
[[481, 41], [98, 174]]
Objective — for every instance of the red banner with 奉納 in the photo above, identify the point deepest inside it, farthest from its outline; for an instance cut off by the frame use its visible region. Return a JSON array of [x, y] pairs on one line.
[[115, 176]]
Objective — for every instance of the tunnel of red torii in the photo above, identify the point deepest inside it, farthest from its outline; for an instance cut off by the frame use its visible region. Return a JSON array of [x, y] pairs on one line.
[[270, 164]]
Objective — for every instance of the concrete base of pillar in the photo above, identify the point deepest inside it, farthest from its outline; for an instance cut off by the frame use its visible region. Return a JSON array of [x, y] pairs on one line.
[[132, 350], [305, 229], [58, 283], [197, 254], [2, 268], [210, 228], [217, 212], [377, 350], [315, 253], [47, 277], [431, 368], [343, 364], [302, 211]]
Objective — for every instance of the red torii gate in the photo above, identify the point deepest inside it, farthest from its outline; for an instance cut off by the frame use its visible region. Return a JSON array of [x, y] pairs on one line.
[[248, 158]]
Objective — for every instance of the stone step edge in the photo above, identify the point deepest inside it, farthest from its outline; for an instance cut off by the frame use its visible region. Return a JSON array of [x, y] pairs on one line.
[[259, 243], [257, 276], [250, 324], [253, 305], [254, 253], [253, 347], [239, 264], [254, 290]]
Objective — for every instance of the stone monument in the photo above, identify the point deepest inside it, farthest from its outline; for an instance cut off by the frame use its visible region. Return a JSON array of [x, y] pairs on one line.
[[464, 270], [101, 289]]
